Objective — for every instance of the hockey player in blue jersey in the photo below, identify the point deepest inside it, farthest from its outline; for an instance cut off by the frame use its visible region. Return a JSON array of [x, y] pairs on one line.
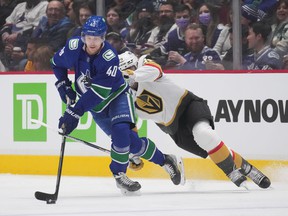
[[103, 91]]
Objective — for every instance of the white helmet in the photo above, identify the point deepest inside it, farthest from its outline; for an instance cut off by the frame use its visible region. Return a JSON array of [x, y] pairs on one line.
[[127, 60]]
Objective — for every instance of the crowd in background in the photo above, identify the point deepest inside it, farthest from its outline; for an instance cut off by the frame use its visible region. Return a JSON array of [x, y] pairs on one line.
[[177, 34]]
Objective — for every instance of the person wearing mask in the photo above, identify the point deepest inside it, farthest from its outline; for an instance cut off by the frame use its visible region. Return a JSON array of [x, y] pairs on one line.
[[200, 56], [166, 24], [141, 28], [176, 40]]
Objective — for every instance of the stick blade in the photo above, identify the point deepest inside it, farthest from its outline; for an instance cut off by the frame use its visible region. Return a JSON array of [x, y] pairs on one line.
[[49, 198]]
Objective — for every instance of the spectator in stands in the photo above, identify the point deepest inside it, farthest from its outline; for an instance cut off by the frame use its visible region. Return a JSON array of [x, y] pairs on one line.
[[41, 58], [32, 45], [249, 13], [223, 44], [264, 57], [285, 62], [116, 22], [192, 4], [82, 12], [279, 39], [265, 8], [227, 60], [141, 27], [70, 13], [23, 19], [209, 18], [2, 67], [116, 40], [176, 41], [200, 56], [6, 8], [54, 26], [18, 27], [166, 24]]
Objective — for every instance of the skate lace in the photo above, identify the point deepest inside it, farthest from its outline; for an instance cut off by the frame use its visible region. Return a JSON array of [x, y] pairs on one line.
[[256, 175], [235, 175], [125, 180], [170, 170]]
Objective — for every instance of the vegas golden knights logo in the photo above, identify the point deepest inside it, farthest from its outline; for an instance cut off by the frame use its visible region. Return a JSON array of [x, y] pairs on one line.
[[149, 103]]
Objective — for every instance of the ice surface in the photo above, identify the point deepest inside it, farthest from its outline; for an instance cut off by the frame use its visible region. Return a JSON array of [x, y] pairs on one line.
[[100, 196]]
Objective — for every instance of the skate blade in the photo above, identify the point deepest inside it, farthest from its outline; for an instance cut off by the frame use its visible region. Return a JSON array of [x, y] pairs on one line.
[[125, 192], [182, 170], [244, 185]]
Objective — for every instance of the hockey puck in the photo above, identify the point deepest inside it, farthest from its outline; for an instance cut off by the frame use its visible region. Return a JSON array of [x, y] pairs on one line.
[[50, 201]]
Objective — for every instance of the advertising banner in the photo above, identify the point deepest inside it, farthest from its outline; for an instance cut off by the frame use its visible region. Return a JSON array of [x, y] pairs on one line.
[[250, 113]]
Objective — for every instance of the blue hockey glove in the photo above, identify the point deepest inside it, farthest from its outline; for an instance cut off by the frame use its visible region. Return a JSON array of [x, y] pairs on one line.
[[69, 121], [67, 94]]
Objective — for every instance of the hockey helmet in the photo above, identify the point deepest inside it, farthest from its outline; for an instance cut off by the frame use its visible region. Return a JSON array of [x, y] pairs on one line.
[[94, 26], [127, 60]]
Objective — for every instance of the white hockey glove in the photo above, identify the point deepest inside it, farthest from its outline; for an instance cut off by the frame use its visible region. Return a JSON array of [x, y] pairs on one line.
[[135, 163], [129, 76]]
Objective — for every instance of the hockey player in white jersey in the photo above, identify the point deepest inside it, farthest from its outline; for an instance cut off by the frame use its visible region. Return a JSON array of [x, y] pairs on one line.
[[185, 117]]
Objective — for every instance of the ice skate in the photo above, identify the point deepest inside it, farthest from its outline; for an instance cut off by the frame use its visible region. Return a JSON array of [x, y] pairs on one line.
[[238, 178], [126, 185], [256, 176], [171, 167]]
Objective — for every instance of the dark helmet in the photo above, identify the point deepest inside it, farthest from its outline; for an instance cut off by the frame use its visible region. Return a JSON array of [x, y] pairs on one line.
[[94, 26]]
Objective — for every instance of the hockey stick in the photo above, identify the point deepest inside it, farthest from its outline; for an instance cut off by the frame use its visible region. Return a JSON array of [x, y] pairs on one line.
[[71, 137], [51, 198]]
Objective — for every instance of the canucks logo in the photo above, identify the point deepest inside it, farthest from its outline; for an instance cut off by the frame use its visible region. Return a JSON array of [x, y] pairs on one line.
[[108, 55], [149, 103], [73, 44]]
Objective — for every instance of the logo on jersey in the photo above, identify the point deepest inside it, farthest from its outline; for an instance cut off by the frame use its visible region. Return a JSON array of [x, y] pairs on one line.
[[149, 103], [108, 55], [73, 44], [273, 55]]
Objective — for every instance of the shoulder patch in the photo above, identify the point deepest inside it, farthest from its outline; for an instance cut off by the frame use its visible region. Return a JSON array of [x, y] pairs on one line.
[[73, 44], [273, 54], [108, 55]]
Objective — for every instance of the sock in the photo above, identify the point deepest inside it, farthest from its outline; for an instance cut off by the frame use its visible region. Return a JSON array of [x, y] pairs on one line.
[[241, 163], [221, 156]]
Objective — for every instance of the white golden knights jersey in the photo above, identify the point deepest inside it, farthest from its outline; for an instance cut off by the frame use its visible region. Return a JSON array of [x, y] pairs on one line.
[[152, 83]]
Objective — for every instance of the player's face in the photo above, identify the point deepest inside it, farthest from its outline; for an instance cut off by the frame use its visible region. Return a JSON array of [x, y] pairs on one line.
[[93, 44]]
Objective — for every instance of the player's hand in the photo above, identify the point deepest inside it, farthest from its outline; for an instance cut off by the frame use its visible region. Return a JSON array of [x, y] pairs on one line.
[[136, 163], [69, 121], [67, 94], [126, 73]]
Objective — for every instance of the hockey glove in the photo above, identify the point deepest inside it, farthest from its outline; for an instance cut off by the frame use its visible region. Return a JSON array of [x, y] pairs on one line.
[[136, 163], [69, 121], [129, 76], [126, 73], [67, 94]]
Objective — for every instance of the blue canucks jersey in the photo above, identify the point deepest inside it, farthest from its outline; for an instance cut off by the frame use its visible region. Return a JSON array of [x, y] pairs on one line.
[[197, 60], [266, 59], [98, 79]]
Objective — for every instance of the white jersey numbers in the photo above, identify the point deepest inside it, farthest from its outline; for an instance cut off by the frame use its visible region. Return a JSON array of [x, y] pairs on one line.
[[112, 71]]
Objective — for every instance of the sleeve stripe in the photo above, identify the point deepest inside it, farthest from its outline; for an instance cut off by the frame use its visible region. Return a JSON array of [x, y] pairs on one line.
[[102, 91], [156, 66]]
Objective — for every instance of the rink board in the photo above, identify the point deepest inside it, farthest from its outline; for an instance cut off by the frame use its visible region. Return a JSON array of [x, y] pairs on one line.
[[250, 112]]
